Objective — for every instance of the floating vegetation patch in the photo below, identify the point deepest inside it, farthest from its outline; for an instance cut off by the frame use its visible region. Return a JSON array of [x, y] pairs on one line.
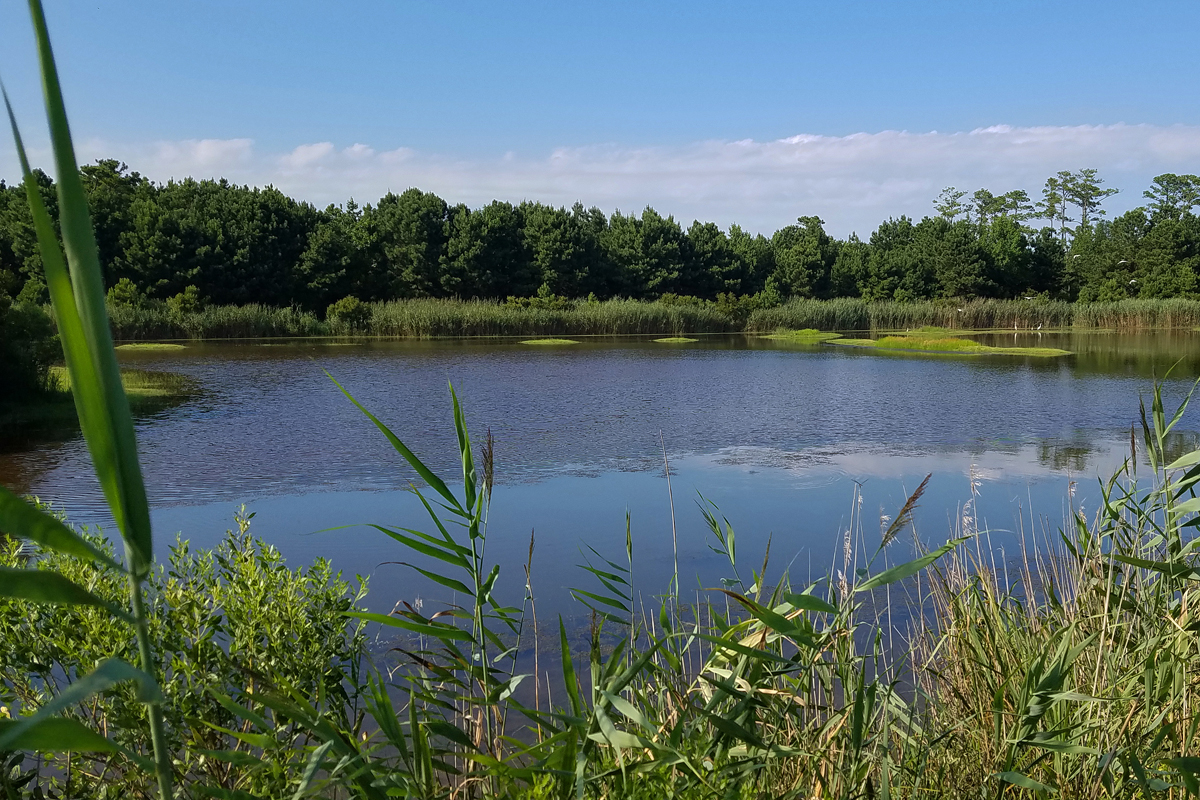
[[951, 345], [140, 384], [549, 341], [676, 340], [53, 413], [149, 346], [806, 336]]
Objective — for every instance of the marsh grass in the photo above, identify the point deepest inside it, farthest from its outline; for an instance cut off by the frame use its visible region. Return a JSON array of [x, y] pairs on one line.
[[549, 341], [946, 345], [805, 336], [157, 322], [847, 314], [150, 347], [433, 318], [676, 340]]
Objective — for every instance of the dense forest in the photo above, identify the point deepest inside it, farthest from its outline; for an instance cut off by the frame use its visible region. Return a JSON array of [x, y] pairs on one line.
[[238, 245]]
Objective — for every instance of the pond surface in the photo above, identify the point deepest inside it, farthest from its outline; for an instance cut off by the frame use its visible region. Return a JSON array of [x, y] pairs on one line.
[[777, 435]]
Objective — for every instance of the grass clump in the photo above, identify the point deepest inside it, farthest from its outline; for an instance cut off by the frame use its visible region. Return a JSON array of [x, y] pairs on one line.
[[149, 346], [676, 340], [549, 341], [806, 335], [922, 344]]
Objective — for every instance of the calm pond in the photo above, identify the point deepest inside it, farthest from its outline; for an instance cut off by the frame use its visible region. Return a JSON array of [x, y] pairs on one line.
[[777, 435]]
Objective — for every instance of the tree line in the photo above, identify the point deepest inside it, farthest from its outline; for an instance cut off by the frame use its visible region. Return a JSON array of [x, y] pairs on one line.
[[214, 242]]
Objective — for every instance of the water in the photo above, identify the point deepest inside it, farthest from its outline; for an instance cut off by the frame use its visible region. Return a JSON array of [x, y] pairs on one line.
[[777, 435]]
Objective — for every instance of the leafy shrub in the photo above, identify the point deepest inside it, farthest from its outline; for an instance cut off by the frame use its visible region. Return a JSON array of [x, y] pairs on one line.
[[28, 347], [348, 315], [126, 293], [544, 299], [225, 623], [186, 302]]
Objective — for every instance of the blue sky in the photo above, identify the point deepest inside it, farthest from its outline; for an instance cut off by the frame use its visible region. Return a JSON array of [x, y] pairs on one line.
[[688, 106]]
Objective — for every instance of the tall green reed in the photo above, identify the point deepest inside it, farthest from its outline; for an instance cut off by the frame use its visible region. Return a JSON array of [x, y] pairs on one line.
[[77, 295]]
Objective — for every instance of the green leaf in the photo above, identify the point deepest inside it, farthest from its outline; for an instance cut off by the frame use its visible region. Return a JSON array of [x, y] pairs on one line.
[[55, 734], [1186, 460], [733, 730], [46, 586], [902, 571], [107, 674], [451, 732], [83, 321], [449, 583], [464, 446], [436, 631], [236, 757], [1171, 569], [608, 601], [25, 521], [454, 559], [808, 602], [241, 712], [772, 619], [311, 769], [1188, 506], [434, 482], [1017, 779], [568, 669]]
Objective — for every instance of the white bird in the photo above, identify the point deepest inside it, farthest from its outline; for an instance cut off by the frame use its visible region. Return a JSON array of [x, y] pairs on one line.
[[1039, 327], [1076, 256], [1122, 261], [960, 311], [1133, 281]]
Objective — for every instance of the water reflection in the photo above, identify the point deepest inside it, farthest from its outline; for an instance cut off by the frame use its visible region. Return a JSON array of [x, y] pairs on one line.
[[776, 434]]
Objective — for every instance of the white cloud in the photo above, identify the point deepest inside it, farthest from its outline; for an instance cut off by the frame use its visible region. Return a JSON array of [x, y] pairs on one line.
[[198, 156], [853, 181], [307, 155]]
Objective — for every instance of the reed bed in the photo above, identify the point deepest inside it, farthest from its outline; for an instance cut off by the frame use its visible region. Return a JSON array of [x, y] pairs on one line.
[[429, 318], [861, 315], [1144, 314], [131, 324]]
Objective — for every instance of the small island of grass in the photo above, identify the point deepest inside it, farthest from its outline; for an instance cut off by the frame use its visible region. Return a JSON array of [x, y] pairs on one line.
[[149, 391], [549, 341], [948, 345], [676, 340], [804, 336], [149, 346]]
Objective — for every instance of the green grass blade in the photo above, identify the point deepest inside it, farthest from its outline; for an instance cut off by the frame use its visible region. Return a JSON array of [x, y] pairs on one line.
[[109, 673], [436, 483], [57, 734], [24, 521], [464, 447], [44, 586], [902, 571], [96, 381], [311, 769]]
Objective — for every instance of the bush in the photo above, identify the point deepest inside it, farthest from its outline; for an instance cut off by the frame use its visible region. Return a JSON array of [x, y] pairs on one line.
[[28, 346], [225, 623], [348, 315], [126, 293], [186, 302]]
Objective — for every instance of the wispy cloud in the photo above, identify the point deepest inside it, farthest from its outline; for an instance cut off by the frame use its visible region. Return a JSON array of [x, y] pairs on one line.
[[853, 181]]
